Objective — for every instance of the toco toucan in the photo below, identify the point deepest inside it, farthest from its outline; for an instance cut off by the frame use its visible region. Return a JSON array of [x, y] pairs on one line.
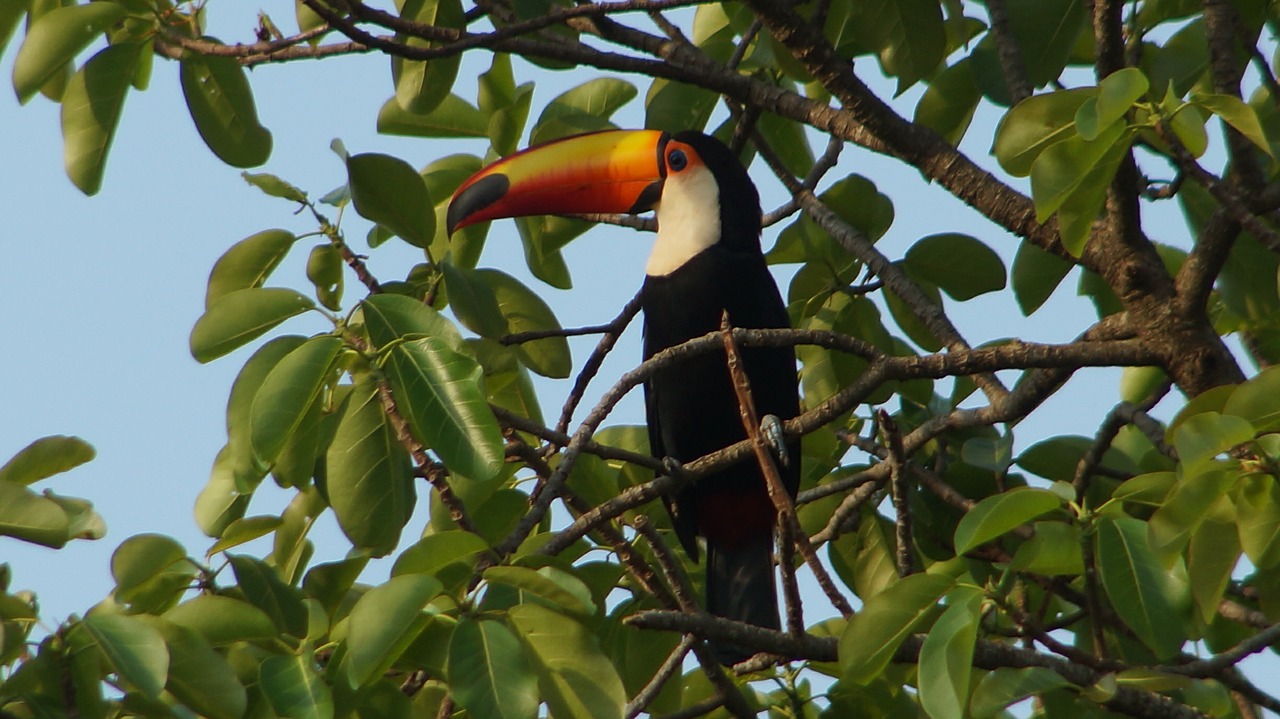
[[707, 259]]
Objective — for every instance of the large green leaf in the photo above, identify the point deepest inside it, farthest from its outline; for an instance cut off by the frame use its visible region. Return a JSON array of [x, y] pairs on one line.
[[1063, 166], [550, 586], [55, 39], [46, 457], [135, 649], [148, 564], [1258, 519], [294, 688], [1238, 114], [960, 265], [948, 104], [369, 482], [91, 108], [489, 674], [874, 634], [439, 391], [391, 317], [388, 191], [28, 516], [576, 678], [1254, 400], [1190, 502], [383, 623], [222, 620], [221, 104], [1035, 275], [200, 677], [1006, 685], [263, 588], [1212, 556], [524, 311], [1116, 95], [585, 108], [946, 657], [1204, 436], [1136, 584], [453, 117], [1000, 513], [432, 554], [674, 106], [247, 263], [908, 36], [288, 392], [421, 85], [242, 316], [1035, 124], [1054, 549]]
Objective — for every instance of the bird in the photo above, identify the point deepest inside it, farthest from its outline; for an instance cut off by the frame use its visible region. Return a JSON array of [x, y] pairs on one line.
[[707, 260]]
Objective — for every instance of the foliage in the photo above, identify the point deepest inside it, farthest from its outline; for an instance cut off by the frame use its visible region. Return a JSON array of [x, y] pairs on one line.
[[1125, 573]]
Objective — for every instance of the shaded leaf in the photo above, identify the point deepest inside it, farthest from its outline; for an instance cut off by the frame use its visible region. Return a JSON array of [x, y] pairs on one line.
[[453, 117], [960, 265], [383, 623], [1005, 686], [134, 648], [222, 620], [489, 674], [30, 517], [288, 392], [221, 104], [294, 688], [200, 677], [388, 191], [874, 634], [1135, 583]]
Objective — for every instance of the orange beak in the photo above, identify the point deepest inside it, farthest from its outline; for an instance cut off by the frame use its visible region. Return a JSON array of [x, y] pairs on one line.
[[611, 171]]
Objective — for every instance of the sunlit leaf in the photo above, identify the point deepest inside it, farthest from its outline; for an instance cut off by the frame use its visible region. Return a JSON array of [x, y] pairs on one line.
[[91, 108], [55, 39], [242, 316], [489, 673], [46, 457], [874, 634]]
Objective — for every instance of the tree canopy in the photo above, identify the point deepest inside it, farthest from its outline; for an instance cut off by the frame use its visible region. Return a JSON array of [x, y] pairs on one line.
[[509, 558]]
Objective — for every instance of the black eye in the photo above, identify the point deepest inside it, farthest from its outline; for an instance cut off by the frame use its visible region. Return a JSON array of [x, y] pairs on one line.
[[677, 160]]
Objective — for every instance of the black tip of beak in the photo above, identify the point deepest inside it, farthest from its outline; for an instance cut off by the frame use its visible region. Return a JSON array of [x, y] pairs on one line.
[[476, 197]]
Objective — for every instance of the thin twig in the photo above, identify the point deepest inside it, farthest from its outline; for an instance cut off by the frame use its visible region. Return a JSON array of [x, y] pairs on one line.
[[904, 553]]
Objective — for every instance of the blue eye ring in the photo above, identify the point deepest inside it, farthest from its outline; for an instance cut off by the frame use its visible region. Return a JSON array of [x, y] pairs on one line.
[[677, 160]]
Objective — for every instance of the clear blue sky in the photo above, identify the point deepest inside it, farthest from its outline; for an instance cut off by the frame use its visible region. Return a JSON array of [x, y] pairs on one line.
[[100, 293]]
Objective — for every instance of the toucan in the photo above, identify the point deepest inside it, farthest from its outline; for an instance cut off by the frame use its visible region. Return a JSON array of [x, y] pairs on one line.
[[706, 260]]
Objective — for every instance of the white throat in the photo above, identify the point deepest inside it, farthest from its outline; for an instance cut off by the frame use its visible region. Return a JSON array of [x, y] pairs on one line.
[[688, 220]]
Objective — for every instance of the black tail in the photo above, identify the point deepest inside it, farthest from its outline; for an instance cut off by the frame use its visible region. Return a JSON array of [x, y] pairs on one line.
[[740, 587]]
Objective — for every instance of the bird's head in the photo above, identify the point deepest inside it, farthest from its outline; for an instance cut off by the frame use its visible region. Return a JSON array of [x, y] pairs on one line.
[[702, 193]]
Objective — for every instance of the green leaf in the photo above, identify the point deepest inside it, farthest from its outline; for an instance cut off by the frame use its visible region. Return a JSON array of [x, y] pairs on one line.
[[248, 263], [1054, 550], [145, 559], [908, 36], [1188, 126], [324, 270], [421, 85], [55, 39], [388, 191], [434, 552], [584, 108], [46, 457], [222, 620], [1238, 114], [489, 674], [274, 186], [30, 517], [946, 657], [1206, 435], [369, 483], [453, 117], [998, 514], [221, 104], [1182, 62], [1258, 515], [288, 392], [439, 392], [1212, 556], [1062, 167], [383, 623], [1035, 275], [550, 586], [242, 316], [294, 688], [524, 311], [674, 106], [960, 265], [1045, 33], [1116, 95], [11, 11], [134, 649], [1254, 400], [948, 104], [200, 677], [91, 108], [1191, 500], [391, 317], [1135, 584], [575, 677], [1005, 686], [872, 635], [263, 588], [1034, 125]]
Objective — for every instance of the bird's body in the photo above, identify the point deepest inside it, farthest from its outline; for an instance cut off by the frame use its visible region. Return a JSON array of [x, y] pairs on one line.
[[706, 261]]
